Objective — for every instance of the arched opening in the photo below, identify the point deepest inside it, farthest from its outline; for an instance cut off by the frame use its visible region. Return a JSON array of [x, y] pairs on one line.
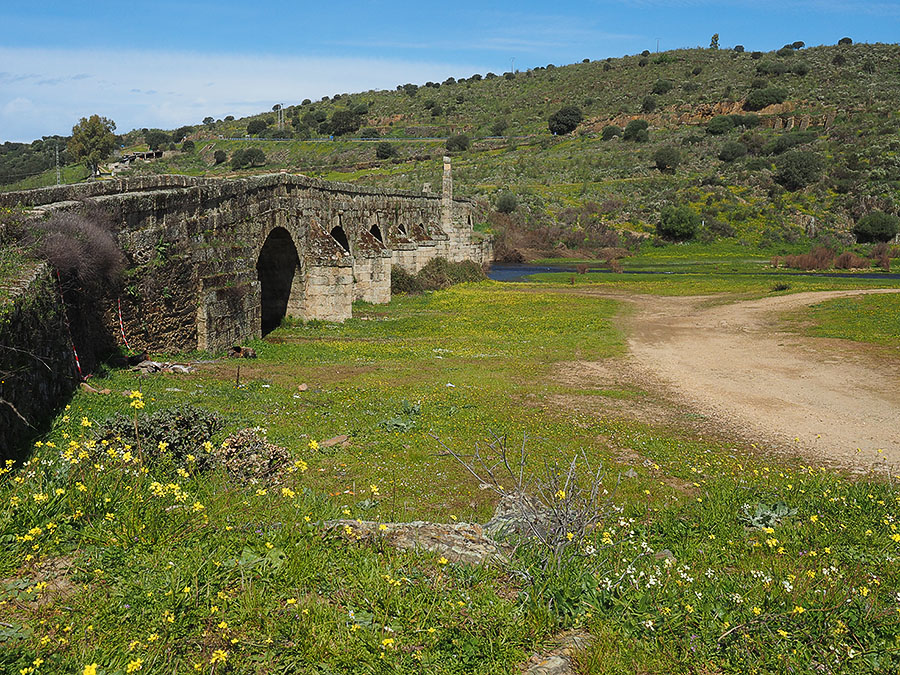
[[278, 262], [402, 229], [376, 232], [341, 237]]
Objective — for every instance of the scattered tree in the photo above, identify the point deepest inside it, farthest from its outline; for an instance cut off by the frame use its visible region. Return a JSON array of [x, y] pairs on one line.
[[720, 124], [458, 142], [677, 223], [248, 157], [345, 122], [385, 150], [208, 121], [565, 120], [845, 41], [507, 202], [732, 150], [761, 98], [187, 146], [739, 49], [714, 41], [636, 130], [610, 131], [219, 156], [662, 86], [93, 141], [648, 105], [499, 126], [155, 138], [876, 226], [255, 127], [798, 168], [667, 158]]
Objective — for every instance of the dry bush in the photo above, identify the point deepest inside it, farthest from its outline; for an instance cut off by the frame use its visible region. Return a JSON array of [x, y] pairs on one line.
[[82, 248], [820, 258], [850, 261]]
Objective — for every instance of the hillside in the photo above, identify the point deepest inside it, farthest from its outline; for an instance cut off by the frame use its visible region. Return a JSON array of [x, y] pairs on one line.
[[845, 94]]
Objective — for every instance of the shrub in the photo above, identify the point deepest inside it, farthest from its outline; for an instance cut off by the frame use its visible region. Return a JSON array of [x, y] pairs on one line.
[[385, 150], [697, 70], [219, 156], [248, 157], [369, 132], [458, 142], [648, 105], [610, 131], [798, 168], [643, 61], [761, 98], [772, 68], [739, 49], [845, 41], [799, 44], [800, 68], [720, 124], [839, 60], [876, 226], [183, 428], [507, 202], [732, 150], [437, 274], [677, 223], [667, 158], [636, 130], [662, 87], [565, 120], [787, 50], [187, 146], [499, 126], [756, 55]]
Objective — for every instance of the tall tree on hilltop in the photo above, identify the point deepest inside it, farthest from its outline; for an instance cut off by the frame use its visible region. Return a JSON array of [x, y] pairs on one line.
[[93, 141]]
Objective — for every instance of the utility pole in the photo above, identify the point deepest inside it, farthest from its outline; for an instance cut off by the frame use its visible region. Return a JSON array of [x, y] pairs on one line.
[[657, 45], [58, 181], [512, 65]]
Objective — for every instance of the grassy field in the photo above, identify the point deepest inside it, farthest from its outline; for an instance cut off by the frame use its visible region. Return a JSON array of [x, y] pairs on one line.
[[874, 319], [177, 568]]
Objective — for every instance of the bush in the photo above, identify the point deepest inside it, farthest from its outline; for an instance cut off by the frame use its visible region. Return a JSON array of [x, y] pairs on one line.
[[800, 68], [643, 61], [697, 70], [187, 146], [839, 60], [756, 55], [219, 156], [458, 142], [183, 428], [667, 158], [636, 130], [507, 202], [677, 223], [787, 141], [720, 124], [739, 49], [565, 120], [648, 105], [385, 150], [772, 68], [761, 98], [798, 168], [437, 274], [499, 126], [662, 87], [610, 131], [732, 150], [845, 41], [876, 226]]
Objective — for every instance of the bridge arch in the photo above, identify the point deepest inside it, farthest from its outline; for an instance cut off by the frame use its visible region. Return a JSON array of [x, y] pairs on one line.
[[277, 268]]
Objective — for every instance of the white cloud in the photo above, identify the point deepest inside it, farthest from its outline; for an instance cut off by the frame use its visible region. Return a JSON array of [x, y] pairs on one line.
[[139, 88]]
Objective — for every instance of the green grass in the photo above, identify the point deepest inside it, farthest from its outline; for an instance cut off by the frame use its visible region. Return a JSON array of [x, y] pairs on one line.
[[870, 318], [169, 575]]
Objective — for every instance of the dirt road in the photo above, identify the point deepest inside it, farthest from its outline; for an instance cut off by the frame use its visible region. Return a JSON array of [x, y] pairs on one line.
[[825, 398], [832, 401]]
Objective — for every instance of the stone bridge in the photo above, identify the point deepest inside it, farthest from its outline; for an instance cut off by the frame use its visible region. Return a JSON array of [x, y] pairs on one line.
[[213, 262]]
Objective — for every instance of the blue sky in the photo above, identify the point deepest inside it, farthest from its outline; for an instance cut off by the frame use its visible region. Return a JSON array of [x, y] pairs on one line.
[[170, 63]]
